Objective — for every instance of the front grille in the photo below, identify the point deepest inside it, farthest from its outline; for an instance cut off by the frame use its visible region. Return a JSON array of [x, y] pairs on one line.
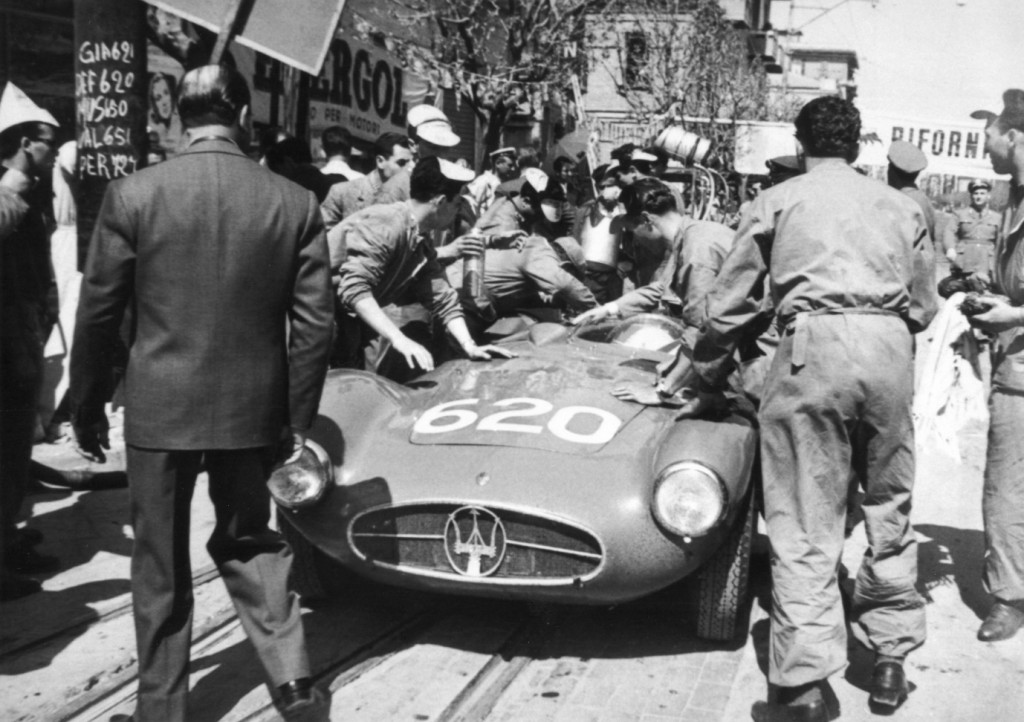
[[467, 542]]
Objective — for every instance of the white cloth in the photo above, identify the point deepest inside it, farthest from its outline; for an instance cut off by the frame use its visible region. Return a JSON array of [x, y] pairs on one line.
[[340, 167], [950, 391]]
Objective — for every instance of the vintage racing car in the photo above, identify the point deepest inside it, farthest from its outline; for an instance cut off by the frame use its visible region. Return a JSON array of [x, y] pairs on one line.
[[525, 478]]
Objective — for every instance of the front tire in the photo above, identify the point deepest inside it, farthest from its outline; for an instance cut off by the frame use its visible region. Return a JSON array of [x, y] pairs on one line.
[[723, 583]]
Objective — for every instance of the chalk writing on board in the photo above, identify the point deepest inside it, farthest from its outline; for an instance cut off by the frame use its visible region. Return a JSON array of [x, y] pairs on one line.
[[103, 84]]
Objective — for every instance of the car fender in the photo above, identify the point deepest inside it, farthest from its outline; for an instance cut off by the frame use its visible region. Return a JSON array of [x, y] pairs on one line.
[[727, 447]]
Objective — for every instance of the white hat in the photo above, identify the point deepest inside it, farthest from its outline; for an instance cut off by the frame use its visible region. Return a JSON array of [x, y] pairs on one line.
[[432, 125], [455, 172], [537, 178], [17, 108]]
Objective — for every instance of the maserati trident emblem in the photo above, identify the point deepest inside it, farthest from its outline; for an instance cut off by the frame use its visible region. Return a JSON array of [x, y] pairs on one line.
[[478, 551]]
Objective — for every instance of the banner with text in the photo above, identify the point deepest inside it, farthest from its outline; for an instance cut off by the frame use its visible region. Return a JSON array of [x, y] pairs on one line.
[[363, 89], [952, 148]]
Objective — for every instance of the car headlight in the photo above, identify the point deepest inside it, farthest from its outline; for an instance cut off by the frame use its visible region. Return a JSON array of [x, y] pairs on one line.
[[689, 499], [304, 481]]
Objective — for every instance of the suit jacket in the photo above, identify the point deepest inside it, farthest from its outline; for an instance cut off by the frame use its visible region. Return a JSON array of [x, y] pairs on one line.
[[225, 265]]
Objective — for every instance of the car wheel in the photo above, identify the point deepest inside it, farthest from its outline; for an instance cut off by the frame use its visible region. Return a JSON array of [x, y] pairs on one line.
[[314, 575], [723, 582]]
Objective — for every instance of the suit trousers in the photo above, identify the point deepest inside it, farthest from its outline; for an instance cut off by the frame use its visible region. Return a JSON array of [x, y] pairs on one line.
[[253, 560], [1003, 496], [846, 408]]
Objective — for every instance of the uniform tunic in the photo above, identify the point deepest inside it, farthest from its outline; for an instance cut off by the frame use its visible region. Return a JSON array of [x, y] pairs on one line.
[[851, 277], [1003, 498], [973, 234]]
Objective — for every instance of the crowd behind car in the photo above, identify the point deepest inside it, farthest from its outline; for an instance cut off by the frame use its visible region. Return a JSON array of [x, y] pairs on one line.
[[798, 299]]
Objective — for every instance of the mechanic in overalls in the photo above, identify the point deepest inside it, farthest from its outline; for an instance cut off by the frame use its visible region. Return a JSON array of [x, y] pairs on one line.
[[390, 252], [687, 273], [850, 287]]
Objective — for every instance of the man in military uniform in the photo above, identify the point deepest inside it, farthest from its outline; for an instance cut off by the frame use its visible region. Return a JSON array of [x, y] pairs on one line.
[[906, 161], [970, 240], [1003, 495], [850, 275]]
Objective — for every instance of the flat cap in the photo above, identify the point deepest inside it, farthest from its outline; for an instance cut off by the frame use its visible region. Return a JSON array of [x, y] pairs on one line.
[[977, 184], [907, 157], [1013, 110]]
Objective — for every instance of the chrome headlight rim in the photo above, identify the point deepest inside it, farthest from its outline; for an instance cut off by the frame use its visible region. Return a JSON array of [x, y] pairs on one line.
[[325, 479], [700, 467]]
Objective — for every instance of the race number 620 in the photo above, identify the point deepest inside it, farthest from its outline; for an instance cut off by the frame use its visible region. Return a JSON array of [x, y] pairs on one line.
[[454, 416]]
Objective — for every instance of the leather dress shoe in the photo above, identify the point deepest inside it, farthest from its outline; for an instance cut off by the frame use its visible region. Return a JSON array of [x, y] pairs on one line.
[[822, 708], [889, 688], [1002, 622], [122, 718], [298, 698]]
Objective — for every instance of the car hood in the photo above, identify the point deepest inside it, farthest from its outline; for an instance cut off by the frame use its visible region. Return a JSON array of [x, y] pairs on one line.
[[549, 402]]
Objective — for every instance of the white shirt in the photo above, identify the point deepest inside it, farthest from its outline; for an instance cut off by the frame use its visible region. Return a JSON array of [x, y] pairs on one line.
[[340, 167]]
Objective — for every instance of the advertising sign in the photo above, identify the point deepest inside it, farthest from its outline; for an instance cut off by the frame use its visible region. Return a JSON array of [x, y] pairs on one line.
[[361, 88], [297, 33], [953, 148]]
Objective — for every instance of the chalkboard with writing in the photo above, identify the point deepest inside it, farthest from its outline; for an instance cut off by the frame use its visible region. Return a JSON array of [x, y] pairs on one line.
[[110, 98]]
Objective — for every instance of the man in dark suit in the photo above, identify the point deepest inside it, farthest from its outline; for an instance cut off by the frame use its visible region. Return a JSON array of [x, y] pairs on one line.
[[225, 266]]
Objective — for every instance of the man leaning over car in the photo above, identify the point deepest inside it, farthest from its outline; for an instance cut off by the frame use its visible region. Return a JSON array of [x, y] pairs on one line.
[[389, 250]]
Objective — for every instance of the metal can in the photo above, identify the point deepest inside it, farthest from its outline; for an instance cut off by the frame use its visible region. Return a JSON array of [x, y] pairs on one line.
[[473, 274]]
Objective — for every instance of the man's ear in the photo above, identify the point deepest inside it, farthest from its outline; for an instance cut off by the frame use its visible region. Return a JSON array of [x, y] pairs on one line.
[[245, 117]]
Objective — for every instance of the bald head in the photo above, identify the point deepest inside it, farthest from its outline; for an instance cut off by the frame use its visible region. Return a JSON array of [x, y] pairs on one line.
[[212, 95]]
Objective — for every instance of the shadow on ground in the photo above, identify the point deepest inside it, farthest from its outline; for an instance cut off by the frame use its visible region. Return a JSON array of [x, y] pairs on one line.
[[947, 555]]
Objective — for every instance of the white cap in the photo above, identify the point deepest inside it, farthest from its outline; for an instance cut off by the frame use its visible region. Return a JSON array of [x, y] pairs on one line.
[[536, 178], [455, 172], [432, 125], [17, 108]]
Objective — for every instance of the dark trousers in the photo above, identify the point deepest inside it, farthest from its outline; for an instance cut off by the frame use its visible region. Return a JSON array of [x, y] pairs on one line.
[[253, 561], [21, 374]]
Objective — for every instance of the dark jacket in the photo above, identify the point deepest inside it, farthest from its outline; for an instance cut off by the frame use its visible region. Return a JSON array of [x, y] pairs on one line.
[[225, 264]]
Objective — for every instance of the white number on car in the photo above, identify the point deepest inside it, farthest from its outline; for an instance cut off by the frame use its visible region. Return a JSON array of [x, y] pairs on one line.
[[449, 416], [496, 422]]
